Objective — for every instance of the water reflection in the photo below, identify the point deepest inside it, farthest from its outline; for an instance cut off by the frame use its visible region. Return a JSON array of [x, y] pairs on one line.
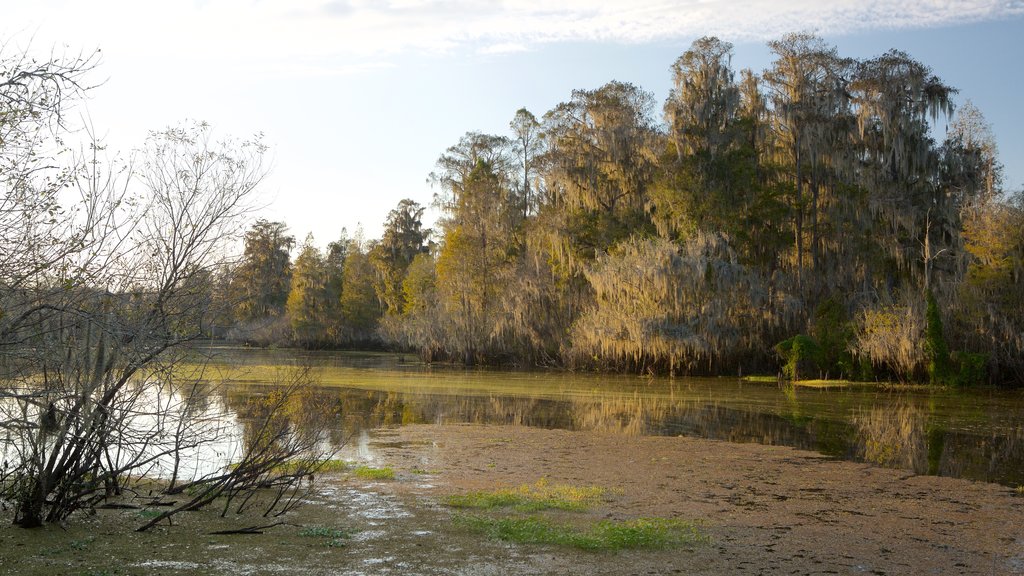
[[977, 435], [920, 432]]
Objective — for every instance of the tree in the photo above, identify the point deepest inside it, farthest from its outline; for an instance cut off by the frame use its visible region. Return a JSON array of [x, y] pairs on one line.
[[809, 108], [313, 305], [122, 303], [664, 308], [360, 307], [601, 156], [404, 237], [527, 148], [263, 278]]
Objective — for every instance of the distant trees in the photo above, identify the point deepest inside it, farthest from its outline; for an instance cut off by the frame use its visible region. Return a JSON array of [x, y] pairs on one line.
[[314, 303], [800, 215], [810, 200]]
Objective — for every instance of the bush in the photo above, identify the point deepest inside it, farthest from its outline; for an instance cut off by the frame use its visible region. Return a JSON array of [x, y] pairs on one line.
[[800, 353]]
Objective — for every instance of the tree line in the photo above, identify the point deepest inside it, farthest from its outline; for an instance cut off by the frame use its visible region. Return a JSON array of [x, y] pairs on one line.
[[811, 218]]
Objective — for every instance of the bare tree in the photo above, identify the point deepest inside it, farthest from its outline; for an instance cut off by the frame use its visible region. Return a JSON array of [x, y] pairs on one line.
[[99, 292]]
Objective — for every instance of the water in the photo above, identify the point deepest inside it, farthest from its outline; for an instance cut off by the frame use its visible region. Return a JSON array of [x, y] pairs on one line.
[[972, 434]]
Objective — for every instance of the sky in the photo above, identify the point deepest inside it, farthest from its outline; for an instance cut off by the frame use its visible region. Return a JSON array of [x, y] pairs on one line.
[[358, 98]]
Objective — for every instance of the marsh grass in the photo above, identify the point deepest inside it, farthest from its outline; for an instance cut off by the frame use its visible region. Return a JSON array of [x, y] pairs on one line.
[[527, 498], [641, 533], [368, 473]]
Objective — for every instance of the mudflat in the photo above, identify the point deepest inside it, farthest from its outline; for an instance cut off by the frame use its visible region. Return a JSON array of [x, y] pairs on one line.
[[764, 510], [767, 509]]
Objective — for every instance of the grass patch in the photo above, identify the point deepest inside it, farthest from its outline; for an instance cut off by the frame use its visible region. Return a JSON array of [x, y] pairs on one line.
[[332, 537], [603, 535], [540, 496], [368, 473]]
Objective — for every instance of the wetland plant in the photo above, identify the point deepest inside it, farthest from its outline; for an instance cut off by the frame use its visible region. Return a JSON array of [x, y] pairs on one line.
[[640, 533], [370, 473], [540, 496]]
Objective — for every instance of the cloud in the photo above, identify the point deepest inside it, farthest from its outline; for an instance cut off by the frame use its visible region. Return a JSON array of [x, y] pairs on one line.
[[504, 48], [339, 36]]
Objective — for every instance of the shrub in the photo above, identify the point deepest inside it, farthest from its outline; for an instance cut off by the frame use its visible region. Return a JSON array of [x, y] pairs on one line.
[[799, 354]]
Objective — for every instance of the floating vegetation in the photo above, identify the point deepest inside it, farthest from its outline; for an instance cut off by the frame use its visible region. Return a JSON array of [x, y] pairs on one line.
[[539, 496], [603, 535]]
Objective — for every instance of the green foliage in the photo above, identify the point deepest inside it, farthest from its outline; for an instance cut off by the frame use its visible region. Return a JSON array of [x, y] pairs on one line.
[[313, 304], [360, 307], [834, 334], [940, 370], [369, 473], [540, 496], [609, 535], [404, 238], [973, 368], [799, 354]]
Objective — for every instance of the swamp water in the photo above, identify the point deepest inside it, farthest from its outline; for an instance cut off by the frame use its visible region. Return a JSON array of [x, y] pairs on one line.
[[972, 434]]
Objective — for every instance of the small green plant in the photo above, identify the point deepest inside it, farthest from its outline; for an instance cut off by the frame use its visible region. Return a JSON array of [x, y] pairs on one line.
[[368, 473], [603, 535], [1020, 490], [332, 537], [540, 496], [145, 513]]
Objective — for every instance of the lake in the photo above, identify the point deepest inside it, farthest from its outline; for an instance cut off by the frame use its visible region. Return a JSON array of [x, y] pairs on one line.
[[976, 434]]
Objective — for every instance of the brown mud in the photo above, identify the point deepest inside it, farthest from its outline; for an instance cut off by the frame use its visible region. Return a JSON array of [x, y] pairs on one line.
[[766, 510]]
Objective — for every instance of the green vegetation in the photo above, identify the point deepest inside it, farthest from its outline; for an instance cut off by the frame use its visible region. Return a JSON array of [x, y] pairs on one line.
[[598, 536], [540, 496], [331, 537], [300, 465], [368, 473], [939, 369]]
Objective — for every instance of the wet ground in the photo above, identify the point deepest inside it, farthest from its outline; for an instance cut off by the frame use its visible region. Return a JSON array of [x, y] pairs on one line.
[[767, 510]]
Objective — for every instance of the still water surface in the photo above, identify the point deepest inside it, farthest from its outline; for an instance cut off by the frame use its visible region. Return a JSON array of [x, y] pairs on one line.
[[973, 434]]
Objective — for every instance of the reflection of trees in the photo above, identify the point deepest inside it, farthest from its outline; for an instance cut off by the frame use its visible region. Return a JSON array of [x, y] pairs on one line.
[[282, 442], [897, 433], [894, 436]]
